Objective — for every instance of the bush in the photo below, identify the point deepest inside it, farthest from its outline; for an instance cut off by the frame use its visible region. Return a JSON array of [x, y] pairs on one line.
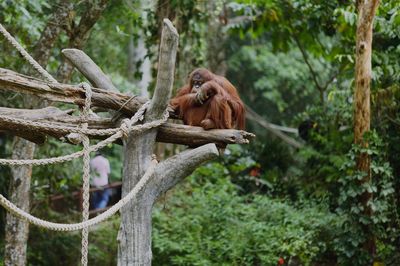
[[212, 225]]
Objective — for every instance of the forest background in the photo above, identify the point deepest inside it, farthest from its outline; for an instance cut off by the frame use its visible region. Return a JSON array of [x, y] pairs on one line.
[[282, 196]]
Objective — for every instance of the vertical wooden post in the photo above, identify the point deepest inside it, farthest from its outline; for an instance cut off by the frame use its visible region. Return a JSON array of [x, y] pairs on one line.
[[134, 236]]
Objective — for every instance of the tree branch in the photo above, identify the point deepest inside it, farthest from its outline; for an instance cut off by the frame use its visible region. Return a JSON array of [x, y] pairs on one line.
[[305, 57], [169, 133], [10, 80], [166, 69], [54, 26], [252, 115], [80, 34], [89, 69], [169, 172]]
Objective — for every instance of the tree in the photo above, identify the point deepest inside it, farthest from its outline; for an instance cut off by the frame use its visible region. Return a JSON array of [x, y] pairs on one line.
[[17, 231], [135, 231], [362, 110]]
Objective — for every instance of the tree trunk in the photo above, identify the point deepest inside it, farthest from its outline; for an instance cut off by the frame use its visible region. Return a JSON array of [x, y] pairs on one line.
[[145, 67], [135, 231], [137, 53], [134, 236], [366, 13], [216, 56], [17, 230]]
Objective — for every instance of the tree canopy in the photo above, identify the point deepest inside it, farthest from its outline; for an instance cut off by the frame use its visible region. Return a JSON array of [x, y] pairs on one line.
[[293, 63]]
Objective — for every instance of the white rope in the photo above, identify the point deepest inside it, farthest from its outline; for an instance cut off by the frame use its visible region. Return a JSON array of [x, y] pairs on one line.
[[27, 56], [91, 222], [60, 129], [125, 128], [86, 173]]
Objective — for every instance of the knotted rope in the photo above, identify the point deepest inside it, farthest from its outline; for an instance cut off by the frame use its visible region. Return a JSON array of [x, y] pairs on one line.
[[126, 127], [123, 131], [91, 222], [86, 171]]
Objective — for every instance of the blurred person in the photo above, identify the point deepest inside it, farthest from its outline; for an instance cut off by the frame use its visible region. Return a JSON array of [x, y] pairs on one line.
[[100, 169]]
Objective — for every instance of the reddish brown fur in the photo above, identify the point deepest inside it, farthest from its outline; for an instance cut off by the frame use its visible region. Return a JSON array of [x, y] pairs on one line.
[[222, 109]]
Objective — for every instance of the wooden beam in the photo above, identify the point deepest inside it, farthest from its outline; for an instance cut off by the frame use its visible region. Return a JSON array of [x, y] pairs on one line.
[[74, 94], [168, 133]]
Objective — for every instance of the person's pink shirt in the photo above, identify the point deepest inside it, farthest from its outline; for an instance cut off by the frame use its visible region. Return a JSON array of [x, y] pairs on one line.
[[100, 168]]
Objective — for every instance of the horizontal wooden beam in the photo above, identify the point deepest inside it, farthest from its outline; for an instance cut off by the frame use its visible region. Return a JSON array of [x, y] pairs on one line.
[[168, 133], [74, 94]]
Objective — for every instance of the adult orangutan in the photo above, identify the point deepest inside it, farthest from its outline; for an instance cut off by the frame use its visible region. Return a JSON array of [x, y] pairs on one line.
[[209, 101]]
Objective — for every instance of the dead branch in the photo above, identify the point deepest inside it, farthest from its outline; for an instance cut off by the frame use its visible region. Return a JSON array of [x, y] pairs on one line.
[[89, 69], [168, 133], [10, 80]]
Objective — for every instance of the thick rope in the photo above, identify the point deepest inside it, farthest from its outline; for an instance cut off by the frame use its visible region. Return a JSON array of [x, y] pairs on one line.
[[123, 131], [86, 173], [60, 129], [125, 128], [27, 56], [91, 222]]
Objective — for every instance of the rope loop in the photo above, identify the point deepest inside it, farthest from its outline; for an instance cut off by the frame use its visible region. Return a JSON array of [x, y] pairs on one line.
[[125, 127], [78, 135], [88, 99]]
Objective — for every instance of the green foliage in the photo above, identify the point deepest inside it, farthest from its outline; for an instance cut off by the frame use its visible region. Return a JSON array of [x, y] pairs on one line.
[[103, 244], [265, 72], [48, 248], [384, 220], [291, 61], [209, 223], [24, 20]]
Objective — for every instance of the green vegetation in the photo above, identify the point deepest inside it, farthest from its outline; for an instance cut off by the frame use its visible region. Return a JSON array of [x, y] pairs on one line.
[[292, 61]]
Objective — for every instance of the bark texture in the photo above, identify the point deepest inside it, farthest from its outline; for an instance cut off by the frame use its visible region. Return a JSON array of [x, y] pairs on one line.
[[134, 237], [362, 109], [89, 69], [167, 133], [17, 230], [74, 94]]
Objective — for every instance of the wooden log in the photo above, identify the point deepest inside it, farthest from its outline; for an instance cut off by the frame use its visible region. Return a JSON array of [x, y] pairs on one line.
[[197, 136], [168, 133], [31, 134], [89, 69], [74, 94]]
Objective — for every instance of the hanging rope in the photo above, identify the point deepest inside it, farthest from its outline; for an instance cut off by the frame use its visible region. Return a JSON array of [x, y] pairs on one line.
[[27, 56], [125, 128], [10, 207], [86, 172], [123, 131]]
